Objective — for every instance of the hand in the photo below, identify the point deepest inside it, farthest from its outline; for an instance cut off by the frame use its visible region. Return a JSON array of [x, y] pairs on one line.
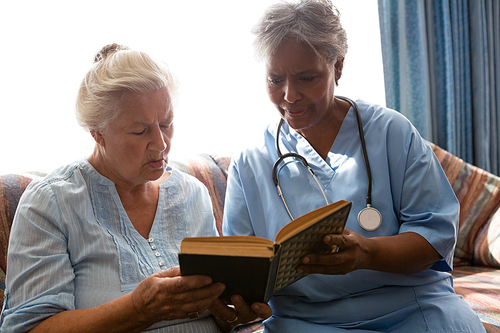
[[404, 253], [352, 254], [167, 295], [227, 317]]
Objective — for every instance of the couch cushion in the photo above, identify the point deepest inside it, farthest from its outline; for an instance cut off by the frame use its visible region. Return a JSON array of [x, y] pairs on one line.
[[479, 287], [211, 170], [478, 192]]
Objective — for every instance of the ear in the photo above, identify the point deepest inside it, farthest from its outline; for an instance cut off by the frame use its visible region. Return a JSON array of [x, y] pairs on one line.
[[98, 138], [339, 65]]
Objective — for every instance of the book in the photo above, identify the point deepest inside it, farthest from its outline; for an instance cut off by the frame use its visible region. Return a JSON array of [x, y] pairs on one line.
[[256, 268]]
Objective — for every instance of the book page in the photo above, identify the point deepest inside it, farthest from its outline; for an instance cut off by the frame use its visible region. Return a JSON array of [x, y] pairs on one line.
[[245, 246], [308, 240], [307, 220]]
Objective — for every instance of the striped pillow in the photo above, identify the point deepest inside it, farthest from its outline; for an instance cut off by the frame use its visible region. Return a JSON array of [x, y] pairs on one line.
[[478, 192], [211, 170], [487, 249]]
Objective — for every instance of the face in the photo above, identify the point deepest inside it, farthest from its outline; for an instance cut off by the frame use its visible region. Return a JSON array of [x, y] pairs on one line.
[[134, 148], [301, 85]]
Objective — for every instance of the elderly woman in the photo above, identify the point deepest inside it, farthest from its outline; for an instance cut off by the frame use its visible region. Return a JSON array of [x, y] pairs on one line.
[[391, 271], [94, 245]]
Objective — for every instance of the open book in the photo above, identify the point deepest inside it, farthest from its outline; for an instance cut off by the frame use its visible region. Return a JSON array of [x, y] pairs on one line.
[[255, 268]]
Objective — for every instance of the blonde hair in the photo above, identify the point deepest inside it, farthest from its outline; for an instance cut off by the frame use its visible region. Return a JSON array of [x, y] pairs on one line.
[[117, 70], [313, 22]]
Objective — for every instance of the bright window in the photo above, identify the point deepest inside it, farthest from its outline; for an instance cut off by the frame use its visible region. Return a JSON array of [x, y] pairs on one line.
[[49, 45]]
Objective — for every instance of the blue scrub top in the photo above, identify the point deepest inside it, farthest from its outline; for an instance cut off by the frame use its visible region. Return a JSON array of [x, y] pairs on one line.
[[410, 190]]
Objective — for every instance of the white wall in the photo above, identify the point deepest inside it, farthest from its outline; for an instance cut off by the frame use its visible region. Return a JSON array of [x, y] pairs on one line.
[[47, 46]]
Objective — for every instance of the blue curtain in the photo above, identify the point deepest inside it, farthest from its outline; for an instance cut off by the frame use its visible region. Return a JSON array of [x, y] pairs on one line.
[[442, 71]]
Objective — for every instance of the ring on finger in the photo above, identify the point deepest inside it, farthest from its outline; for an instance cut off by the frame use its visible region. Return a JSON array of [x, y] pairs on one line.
[[232, 321]]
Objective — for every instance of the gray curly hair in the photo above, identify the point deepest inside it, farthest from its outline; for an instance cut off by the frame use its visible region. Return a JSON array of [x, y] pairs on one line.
[[116, 70], [314, 22]]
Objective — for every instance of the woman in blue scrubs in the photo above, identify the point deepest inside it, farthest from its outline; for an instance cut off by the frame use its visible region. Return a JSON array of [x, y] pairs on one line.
[[393, 278]]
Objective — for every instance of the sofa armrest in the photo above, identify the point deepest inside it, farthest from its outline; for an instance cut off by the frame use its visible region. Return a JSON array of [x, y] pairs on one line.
[[12, 187]]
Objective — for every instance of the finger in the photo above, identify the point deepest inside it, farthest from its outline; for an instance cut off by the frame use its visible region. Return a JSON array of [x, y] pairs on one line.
[[222, 311], [333, 264], [336, 240], [206, 294], [262, 310], [171, 272], [243, 309], [198, 300], [323, 259], [240, 305], [184, 283]]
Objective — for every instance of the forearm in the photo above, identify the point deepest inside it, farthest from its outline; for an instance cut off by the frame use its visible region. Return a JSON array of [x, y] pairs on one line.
[[404, 253], [118, 315]]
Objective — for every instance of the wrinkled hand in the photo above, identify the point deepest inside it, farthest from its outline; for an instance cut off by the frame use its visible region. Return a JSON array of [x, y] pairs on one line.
[[352, 254], [227, 317], [167, 295]]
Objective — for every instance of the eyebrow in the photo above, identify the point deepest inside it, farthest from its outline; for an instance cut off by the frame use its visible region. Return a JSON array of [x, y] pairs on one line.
[[170, 118], [304, 72], [142, 123]]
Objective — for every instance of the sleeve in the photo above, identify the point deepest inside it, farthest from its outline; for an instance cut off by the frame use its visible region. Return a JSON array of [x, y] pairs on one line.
[[236, 219], [40, 277], [428, 205]]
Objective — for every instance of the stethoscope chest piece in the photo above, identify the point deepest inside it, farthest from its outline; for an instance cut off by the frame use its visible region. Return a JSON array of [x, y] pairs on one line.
[[369, 219]]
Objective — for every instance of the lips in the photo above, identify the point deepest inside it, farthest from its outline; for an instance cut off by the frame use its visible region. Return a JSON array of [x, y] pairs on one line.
[[156, 164], [295, 112]]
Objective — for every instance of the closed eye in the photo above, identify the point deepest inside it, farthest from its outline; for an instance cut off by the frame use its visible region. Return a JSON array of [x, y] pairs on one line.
[[274, 81], [307, 78], [139, 133], [166, 125]]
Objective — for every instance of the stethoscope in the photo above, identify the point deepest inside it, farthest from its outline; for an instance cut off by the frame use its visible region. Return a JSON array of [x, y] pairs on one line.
[[369, 218]]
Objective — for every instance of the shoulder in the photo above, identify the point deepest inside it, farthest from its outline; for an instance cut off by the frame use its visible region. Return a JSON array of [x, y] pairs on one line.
[[67, 186], [61, 176], [378, 115], [261, 152], [45, 199], [383, 123]]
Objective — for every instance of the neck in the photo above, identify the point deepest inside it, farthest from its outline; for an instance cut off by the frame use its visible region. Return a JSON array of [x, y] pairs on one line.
[[124, 186], [322, 135]]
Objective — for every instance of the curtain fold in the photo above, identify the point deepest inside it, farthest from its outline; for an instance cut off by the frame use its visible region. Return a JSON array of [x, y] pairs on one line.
[[442, 71]]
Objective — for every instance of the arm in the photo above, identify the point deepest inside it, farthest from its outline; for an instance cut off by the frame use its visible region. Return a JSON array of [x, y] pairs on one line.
[[426, 209], [42, 273], [164, 295]]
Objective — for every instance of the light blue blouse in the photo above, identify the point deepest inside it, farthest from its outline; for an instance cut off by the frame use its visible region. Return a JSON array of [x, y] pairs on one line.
[[72, 245], [411, 192]]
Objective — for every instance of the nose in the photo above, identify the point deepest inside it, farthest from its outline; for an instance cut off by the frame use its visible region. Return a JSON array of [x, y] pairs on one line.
[[157, 140], [291, 93]]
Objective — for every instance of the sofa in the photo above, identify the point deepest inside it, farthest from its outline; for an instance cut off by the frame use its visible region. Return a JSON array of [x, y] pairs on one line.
[[476, 273]]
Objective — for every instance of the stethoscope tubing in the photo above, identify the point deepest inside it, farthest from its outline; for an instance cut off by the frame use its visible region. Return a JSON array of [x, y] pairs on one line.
[[281, 156], [372, 218], [363, 148]]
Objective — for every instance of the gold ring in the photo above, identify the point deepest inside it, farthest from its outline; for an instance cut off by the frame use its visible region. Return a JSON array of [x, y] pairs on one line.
[[232, 321], [193, 315]]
